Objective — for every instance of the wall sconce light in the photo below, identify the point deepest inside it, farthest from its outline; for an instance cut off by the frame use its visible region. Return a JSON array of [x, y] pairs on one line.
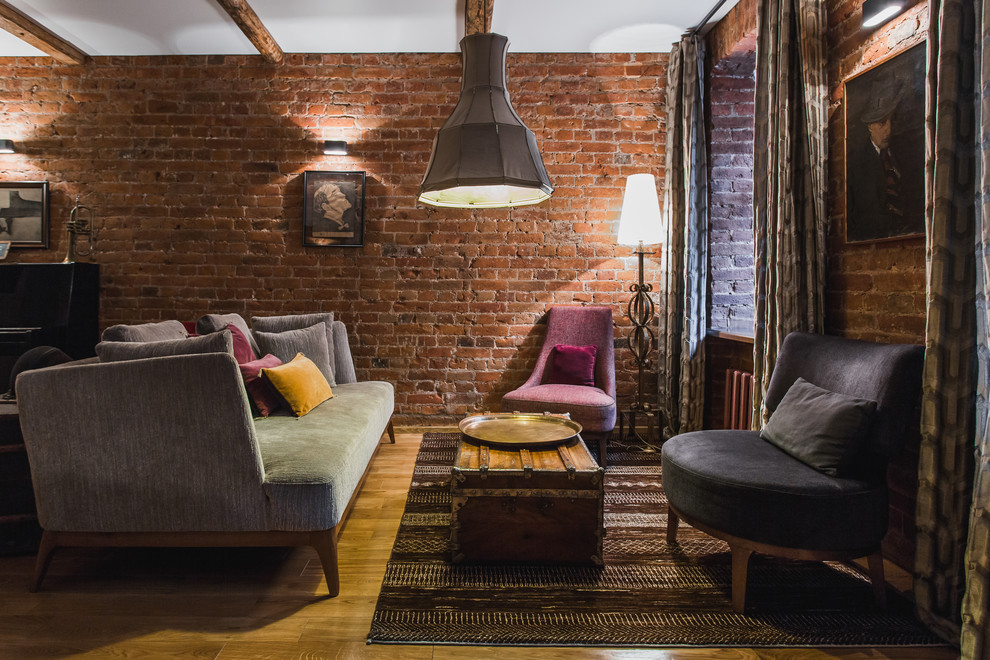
[[6, 146], [878, 12], [334, 148]]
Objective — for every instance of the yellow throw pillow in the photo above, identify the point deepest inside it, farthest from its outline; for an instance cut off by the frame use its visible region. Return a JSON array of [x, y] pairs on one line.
[[300, 383]]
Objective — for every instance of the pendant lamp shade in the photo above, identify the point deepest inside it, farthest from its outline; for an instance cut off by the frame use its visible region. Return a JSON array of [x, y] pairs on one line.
[[484, 156]]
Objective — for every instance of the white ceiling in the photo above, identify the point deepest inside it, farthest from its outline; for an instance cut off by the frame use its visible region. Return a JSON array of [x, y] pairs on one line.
[[196, 27]]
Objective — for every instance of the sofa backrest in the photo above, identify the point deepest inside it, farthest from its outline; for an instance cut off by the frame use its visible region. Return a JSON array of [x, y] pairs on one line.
[[343, 363], [889, 374], [579, 326], [161, 444]]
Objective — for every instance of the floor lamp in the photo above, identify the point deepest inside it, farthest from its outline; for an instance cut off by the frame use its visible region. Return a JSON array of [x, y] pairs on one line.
[[640, 226]]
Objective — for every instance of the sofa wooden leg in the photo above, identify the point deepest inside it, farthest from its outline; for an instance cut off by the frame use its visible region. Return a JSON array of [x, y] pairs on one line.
[[603, 449], [740, 567], [45, 550], [875, 562], [672, 521], [325, 543], [391, 432]]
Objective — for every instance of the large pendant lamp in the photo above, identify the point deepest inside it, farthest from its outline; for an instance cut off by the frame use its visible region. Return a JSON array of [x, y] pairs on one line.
[[484, 156]]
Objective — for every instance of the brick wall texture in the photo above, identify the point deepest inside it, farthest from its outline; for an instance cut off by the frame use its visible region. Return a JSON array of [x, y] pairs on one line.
[[194, 166], [732, 88], [876, 291]]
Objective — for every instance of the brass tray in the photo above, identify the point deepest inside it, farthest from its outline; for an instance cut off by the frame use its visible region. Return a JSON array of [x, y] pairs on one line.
[[518, 430]]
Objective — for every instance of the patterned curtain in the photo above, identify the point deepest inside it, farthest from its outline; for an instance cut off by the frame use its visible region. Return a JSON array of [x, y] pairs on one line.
[[684, 321], [789, 179], [975, 641], [948, 430]]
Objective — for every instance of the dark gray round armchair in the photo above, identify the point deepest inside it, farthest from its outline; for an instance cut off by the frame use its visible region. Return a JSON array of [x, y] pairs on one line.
[[811, 485]]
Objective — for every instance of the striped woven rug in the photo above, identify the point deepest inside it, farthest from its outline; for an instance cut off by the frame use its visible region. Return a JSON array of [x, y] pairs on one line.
[[648, 594]]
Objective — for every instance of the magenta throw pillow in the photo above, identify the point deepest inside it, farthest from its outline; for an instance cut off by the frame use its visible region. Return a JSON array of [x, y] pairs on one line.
[[242, 347], [572, 365], [261, 392]]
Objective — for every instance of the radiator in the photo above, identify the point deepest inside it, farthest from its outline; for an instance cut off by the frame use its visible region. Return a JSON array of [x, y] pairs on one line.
[[738, 399]]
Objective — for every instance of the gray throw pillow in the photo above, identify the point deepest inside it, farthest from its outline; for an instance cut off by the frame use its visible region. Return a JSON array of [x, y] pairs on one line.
[[298, 322], [216, 322], [116, 351], [311, 342], [146, 332], [820, 428]]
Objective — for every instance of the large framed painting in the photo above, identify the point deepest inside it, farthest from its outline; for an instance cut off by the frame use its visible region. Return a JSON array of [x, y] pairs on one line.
[[24, 213], [885, 149], [333, 209]]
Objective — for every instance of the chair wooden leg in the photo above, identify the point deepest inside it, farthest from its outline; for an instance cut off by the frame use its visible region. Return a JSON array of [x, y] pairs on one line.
[[45, 550], [740, 567], [391, 432], [325, 543], [602, 449], [875, 562], [672, 521]]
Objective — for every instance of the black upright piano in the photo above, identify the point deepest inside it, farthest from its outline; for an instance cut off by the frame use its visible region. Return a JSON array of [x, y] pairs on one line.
[[47, 305]]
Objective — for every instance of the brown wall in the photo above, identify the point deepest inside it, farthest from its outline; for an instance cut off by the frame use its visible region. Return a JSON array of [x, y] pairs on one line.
[[194, 168], [876, 291]]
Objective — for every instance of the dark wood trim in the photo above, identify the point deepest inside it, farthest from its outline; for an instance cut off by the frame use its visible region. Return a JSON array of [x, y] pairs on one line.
[[24, 28], [731, 336], [742, 549], [252, 27]]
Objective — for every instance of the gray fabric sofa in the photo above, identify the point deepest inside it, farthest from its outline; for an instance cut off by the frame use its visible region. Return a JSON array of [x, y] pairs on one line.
[[165, 452]]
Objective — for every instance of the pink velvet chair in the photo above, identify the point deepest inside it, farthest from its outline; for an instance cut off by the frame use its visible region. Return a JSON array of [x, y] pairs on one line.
[[592, 407]]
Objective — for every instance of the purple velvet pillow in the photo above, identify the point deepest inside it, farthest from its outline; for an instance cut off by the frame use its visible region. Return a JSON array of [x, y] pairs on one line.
[[243, 352], [572, 365], [261, 392]]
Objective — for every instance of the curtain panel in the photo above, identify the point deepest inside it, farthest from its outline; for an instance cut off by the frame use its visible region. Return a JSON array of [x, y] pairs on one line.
[[789, 178], [684, 321], [948, 430], [975, 640]]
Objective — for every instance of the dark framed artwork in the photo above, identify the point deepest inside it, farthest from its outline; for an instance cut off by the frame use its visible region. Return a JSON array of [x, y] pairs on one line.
[[885, 149], [333, 209], [24, 213]]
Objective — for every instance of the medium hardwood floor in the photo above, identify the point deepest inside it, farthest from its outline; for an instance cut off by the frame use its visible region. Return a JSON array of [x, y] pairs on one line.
[[265, 603]]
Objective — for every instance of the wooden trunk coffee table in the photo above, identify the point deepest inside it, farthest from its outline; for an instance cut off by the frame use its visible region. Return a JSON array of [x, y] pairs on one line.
[[538, 503]]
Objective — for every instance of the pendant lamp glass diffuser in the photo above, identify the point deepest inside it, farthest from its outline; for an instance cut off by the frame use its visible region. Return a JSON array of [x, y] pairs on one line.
[[484, 156]]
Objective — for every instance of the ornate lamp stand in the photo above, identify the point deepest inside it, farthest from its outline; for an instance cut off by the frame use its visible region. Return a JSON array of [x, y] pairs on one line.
[[640, 225]]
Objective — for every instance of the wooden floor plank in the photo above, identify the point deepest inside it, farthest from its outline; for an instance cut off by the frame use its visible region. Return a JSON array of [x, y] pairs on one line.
[[269, 603]]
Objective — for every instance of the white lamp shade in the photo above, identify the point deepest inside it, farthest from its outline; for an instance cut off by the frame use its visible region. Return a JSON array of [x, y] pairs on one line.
[[640, 220]]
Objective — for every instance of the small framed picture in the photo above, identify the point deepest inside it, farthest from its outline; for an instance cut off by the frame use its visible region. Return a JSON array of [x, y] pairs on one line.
[[24, 213], [4, 249], [333, 209]]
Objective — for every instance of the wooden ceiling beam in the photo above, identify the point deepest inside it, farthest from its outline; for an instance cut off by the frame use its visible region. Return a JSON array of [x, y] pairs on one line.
[[25, 29], [253, 29], [478, 16]]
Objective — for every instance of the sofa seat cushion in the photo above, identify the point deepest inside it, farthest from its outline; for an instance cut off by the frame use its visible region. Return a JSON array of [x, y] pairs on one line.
[[313, 464], [590, 407], [738, 483]]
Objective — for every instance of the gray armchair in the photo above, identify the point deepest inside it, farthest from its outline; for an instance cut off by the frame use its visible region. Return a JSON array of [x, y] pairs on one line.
[[743, 489]]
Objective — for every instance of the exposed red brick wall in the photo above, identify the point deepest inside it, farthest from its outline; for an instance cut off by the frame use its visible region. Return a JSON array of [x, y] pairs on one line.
[[194, 165], [876, 291], [736, 28]]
